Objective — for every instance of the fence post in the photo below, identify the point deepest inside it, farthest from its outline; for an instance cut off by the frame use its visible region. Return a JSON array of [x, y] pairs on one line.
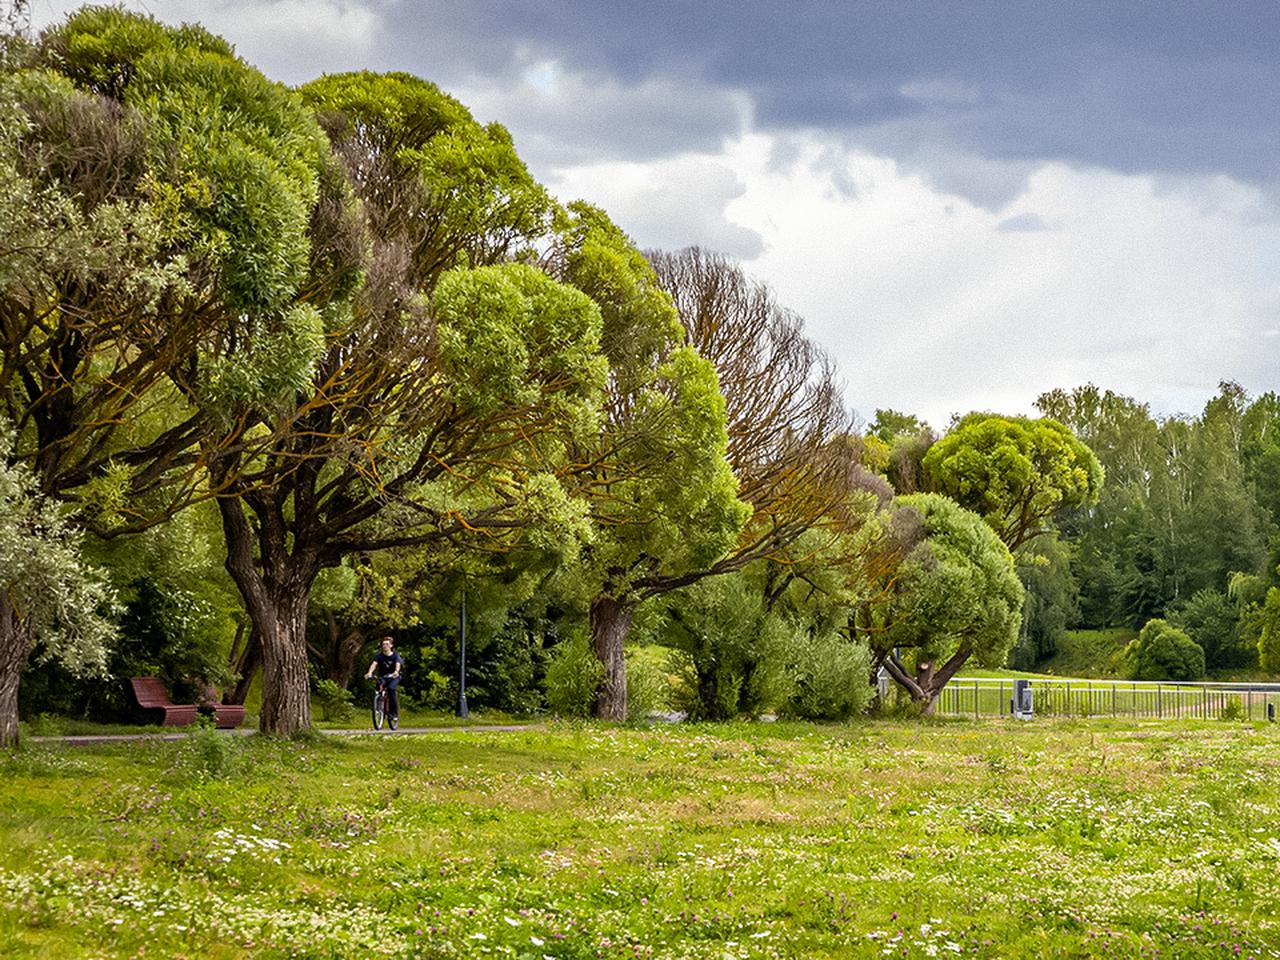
[[975, 699], [1248, 695], [1159, 702], [1000, 705], [1113, 700]]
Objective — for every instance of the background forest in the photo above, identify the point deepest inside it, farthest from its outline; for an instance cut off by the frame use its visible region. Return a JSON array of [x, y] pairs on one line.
[[286, 370]]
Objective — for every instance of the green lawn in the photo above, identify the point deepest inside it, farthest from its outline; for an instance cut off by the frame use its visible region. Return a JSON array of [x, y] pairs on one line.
[[996, 839]]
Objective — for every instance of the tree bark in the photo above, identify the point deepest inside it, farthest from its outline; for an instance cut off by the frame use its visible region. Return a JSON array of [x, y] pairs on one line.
[[929, 680], [276, 590], [15, 646], [339, 658], [286, 688], [610, 623], [245, 667]]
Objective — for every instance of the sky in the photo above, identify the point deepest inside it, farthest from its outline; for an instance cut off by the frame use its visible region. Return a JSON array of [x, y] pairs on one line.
[[970, 203]]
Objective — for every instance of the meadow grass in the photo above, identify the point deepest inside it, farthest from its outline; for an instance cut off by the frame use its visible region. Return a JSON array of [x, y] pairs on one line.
[[1065, 838]]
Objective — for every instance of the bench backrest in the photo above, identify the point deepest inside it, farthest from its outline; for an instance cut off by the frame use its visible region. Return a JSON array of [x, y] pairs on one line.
[[150, 692]]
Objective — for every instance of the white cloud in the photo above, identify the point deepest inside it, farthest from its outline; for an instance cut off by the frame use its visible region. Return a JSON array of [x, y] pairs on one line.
[[1154, 289], [669, 203], [292, 40]]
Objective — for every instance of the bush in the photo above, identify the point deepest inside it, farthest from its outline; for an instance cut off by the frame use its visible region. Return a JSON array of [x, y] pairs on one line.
[[334, 701], [1163, 652], [648, 685], [734, 659], [207, 754], [573, 677], [1212, 620], [831, 677]]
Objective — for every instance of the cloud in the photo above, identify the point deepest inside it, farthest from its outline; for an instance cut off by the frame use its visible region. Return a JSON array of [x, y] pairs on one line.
[[1023, 223], [561, 118], [292, 40], [667, 204]]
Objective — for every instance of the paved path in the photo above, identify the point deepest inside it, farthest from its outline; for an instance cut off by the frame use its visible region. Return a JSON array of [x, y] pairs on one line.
[[92, 738]]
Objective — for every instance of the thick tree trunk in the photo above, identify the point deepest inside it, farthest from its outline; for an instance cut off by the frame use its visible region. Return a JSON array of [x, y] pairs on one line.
[[15, 646], [276, 587], [610, 623], [286, 688]]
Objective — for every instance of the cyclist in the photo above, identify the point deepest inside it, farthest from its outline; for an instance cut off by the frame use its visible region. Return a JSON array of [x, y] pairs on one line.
[[387, 663]]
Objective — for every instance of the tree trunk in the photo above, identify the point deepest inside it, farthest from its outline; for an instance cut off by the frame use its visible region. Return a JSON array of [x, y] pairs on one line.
[[247, 668], [286, 687], [245, 665], [610, 623], [929, 680], [339, 658], [276, 587], [15, 645]]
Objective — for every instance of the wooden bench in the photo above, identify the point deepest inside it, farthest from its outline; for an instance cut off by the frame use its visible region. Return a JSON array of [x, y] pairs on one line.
[[150, 694], [226, 716]]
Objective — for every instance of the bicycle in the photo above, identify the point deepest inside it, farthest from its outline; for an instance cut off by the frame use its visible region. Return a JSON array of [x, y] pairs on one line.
[[381, 705]]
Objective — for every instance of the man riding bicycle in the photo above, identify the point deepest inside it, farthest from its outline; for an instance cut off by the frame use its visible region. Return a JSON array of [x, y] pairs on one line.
[[387, 663]]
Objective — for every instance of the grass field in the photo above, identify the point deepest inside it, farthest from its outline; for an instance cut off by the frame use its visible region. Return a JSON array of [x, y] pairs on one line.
[[1064, 838]]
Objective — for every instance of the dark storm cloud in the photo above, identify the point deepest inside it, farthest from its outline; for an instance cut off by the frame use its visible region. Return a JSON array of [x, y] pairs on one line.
[[1171, 87]]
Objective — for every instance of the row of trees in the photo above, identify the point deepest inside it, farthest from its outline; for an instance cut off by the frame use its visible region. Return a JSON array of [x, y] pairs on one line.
[[293, 367], [1186, 529]]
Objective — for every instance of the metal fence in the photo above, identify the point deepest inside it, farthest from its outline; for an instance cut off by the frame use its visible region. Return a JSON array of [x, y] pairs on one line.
[[1114, 698]]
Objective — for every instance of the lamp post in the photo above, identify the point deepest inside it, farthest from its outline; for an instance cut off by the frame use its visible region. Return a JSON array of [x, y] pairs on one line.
[[462, 658]]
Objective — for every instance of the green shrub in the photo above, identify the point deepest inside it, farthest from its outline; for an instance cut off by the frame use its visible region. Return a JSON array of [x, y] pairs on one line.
[[648, 685], [1233, 709], [207, 754], [572, 677], [1163, 652], [733, 652], [334, 700], [1211, 619], [831, 679]]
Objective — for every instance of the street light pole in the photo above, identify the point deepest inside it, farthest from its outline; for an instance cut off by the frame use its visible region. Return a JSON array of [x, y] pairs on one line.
[[462, 659]]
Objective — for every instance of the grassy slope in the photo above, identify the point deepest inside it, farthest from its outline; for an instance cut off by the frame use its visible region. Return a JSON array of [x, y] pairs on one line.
[[1089, 653], [898, 839]]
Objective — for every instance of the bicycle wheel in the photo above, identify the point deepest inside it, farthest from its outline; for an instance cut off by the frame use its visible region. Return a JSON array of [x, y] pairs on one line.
[[379, 707], [393, 720]]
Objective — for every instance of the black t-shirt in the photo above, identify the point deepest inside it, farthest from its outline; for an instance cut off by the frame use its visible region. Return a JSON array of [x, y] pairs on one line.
[[385, 663]]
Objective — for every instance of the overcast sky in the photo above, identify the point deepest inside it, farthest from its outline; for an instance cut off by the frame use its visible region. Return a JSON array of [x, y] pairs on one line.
[[970, 203]]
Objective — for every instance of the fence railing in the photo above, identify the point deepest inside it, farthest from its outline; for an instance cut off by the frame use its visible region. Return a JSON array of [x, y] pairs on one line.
[[1114, 698]]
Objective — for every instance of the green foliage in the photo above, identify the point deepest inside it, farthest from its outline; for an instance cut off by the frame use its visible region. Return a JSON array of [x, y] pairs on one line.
[[572, 677], [648, 684], [1185, 505], [1044, 567], [504, 331], [734, 648], [207, 753], [1013, 471], [1163, 652], [334, 701], [233, 156], [830, 678], [1269, 636], [957, 592], [1212, 620], [62, 601], [668, 498], [1090, 653], [464, 195]]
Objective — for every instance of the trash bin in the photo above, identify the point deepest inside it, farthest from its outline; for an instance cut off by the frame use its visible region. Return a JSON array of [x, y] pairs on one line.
[[1022, 706]]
